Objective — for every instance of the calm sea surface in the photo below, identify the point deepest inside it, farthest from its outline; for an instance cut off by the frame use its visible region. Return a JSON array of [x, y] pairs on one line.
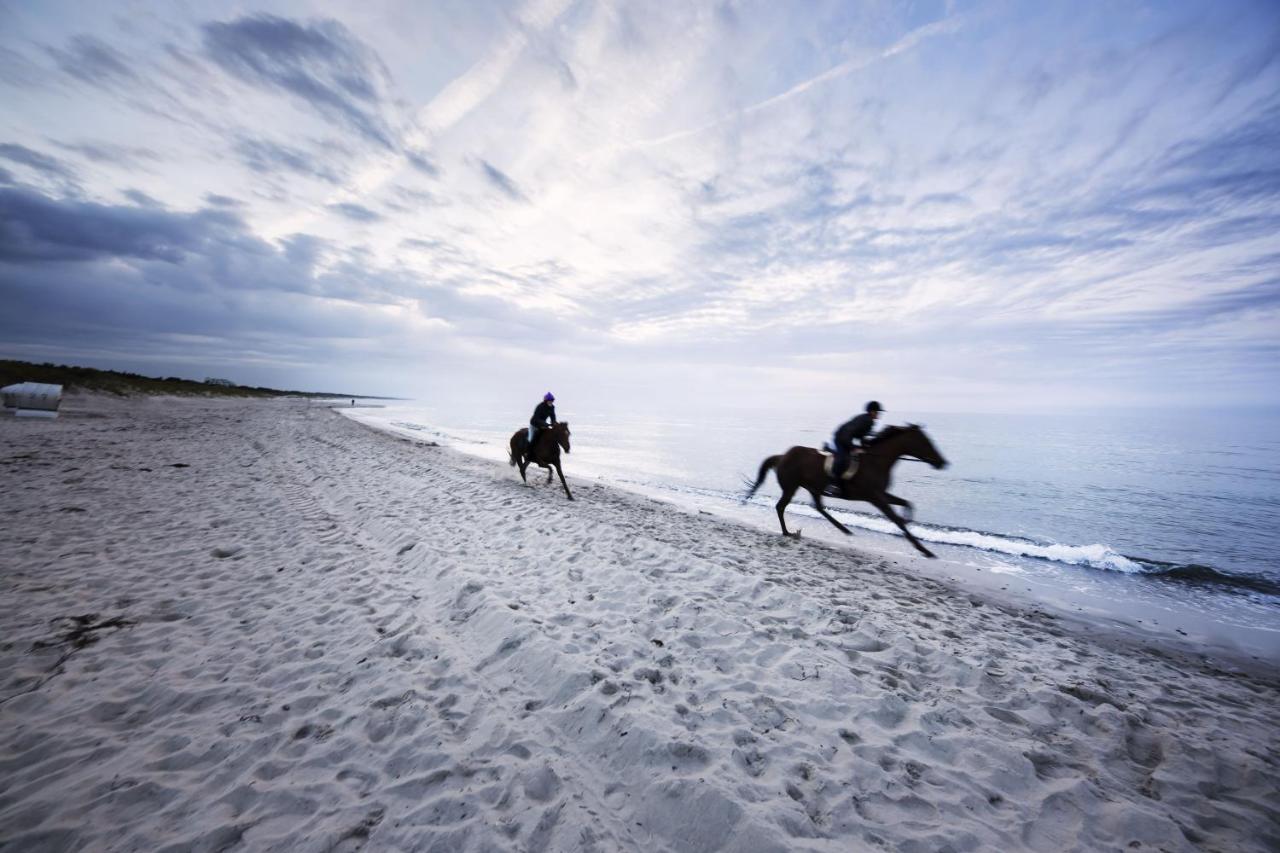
[[1190, 503]]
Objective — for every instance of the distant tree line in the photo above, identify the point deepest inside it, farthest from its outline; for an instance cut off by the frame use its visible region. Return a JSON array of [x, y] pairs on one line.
[[124, 384]]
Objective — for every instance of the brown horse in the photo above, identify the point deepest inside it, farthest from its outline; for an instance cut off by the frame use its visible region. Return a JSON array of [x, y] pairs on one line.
[[546, 451], [802, 467]]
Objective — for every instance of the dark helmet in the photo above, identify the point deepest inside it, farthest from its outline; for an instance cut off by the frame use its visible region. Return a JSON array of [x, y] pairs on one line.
[[873, 406], [549, 397]]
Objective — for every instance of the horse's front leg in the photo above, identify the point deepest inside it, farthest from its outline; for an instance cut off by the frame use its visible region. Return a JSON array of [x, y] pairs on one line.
[[904, 503], [562, 482], [881, 502]]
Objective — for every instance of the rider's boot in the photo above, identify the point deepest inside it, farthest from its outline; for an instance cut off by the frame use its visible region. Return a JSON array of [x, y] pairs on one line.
[[835, 486]]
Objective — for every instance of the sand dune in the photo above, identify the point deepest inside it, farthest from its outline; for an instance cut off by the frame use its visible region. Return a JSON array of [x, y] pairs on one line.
[[260, 626]]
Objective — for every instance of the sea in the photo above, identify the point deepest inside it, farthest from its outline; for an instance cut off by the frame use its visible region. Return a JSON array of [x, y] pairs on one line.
[[1171, 516]]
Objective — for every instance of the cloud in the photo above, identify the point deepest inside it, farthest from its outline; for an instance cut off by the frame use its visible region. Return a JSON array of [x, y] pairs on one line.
[[216, 200], [141, 199], [199, 285], [422, 163], [93, 61], [943, 199], [499, 179], [321, 64], [355, 212], [271, 158], [18, 71], [35, 228], [133, 156], [47, 166], [411, 201]]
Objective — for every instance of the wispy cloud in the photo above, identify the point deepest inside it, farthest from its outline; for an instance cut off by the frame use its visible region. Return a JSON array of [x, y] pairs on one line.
[[132, 156], [272, 158], [42, 164], [502, 181], [93, 61], [319, 63], [355, 212]]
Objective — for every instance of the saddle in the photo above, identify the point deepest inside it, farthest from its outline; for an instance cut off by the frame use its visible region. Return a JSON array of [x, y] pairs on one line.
[[829, 464], [836, 488]]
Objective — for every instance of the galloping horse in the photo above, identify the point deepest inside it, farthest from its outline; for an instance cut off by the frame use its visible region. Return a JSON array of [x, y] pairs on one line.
[[802, 467], [546, 451]]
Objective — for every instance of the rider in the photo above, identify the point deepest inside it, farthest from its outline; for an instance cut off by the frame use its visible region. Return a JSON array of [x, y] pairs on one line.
[[543, 416], [858, 429]]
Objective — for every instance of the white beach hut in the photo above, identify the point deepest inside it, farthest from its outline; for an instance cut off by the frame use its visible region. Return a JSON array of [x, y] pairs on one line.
[[32, 399]]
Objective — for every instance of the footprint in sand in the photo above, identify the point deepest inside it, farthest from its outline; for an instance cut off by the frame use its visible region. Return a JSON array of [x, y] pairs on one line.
[[542, 785]]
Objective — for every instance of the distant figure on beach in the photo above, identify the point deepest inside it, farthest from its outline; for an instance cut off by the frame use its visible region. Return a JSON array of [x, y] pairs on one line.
[[543, 416], [540, 444], [353, 403], [857, 429]]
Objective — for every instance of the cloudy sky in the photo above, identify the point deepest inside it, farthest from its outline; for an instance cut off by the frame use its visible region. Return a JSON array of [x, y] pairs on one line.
[[947, 205]]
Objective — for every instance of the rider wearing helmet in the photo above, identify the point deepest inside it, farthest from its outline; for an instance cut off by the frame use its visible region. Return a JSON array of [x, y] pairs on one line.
[[858, 429], [543, 416]]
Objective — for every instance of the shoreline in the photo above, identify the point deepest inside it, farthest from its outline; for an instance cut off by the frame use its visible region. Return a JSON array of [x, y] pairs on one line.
[[1122, 605], [309, 634]]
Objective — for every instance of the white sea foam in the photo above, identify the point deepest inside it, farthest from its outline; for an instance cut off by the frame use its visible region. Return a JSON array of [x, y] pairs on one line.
[[1096, 556]]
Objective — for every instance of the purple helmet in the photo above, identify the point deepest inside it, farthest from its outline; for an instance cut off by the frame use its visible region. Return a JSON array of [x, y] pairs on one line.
[[549, 397]]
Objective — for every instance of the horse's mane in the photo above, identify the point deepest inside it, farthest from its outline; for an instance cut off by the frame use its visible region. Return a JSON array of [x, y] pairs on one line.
[[888, 433]]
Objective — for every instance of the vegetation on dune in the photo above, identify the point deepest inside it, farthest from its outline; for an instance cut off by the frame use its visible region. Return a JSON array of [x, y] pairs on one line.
[[125, 384]]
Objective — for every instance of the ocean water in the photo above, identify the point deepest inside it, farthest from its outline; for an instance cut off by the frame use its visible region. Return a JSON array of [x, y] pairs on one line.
[[1185, 508]]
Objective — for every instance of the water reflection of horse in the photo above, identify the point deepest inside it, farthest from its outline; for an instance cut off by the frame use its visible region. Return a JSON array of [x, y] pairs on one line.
[[802, 468], [546, 451]]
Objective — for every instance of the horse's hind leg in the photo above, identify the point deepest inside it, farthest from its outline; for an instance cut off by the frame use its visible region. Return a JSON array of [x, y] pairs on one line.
[[817, 504], [881, 503], [787, 494]]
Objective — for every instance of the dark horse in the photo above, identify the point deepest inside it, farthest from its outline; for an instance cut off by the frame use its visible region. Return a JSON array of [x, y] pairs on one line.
[[546, 451], [802, 468]]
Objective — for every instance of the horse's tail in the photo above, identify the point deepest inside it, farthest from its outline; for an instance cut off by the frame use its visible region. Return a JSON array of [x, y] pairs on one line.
[[511, 446], [765, 467]]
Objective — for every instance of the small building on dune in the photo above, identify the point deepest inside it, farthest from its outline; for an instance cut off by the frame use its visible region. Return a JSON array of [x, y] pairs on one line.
[[32, 399]]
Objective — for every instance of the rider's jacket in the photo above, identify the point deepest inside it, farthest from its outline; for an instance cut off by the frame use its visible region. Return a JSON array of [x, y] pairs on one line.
[[858, 429], [544, 413]]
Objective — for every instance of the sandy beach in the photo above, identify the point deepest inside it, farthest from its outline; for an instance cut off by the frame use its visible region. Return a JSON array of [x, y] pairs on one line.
[[257, 625]]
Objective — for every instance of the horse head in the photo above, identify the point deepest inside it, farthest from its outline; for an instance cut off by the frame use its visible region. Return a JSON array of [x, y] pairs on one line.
[[561, 431], [918, 445]]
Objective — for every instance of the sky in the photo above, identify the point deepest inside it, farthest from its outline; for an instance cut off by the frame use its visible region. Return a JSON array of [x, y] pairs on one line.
[[948, 206]]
